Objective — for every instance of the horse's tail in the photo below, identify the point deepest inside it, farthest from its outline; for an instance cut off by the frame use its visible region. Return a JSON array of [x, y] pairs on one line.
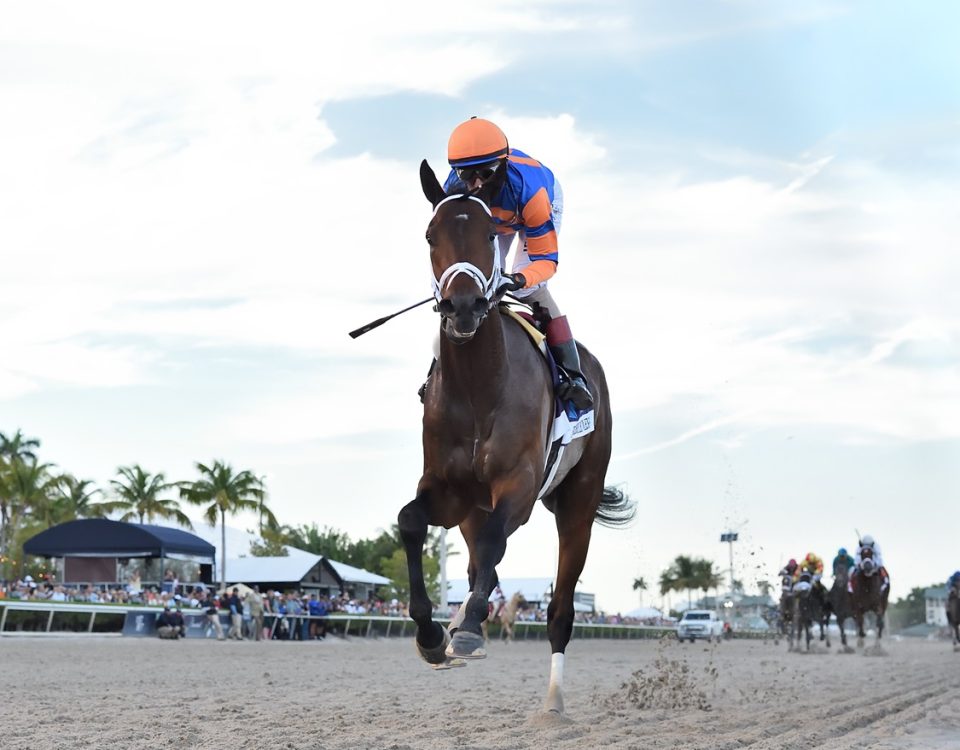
[[616, 509]]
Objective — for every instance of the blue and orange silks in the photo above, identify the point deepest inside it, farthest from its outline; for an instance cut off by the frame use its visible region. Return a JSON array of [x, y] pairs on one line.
[[524, 203]]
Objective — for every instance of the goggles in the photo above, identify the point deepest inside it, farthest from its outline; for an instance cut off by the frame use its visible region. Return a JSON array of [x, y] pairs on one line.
[[483, 171]]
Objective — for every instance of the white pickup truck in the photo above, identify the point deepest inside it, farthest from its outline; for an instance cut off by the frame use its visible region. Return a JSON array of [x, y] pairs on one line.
[[700, 623]]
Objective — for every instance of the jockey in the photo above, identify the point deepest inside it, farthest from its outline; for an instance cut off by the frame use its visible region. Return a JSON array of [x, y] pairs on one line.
[[787, 575], [527, 202], [498, 601], [813, 564], [867, 542], [843, 561], [953, 584]]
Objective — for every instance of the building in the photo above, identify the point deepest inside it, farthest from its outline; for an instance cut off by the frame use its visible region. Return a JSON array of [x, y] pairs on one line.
[[537, 592], [935, 600]]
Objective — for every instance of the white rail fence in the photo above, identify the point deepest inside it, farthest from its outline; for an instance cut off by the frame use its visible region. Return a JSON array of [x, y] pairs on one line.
[[28, 618]]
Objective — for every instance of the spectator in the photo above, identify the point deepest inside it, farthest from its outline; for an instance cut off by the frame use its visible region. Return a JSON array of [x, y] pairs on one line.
[[213, 618], [167, 626], [236, 615], [255, 602], [317, 607]]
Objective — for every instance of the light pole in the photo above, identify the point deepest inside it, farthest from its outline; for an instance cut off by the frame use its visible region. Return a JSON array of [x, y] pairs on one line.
[[730, 537]]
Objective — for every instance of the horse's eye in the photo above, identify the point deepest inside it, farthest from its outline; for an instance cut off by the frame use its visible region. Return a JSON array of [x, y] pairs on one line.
[[493, 236], [429, 239]]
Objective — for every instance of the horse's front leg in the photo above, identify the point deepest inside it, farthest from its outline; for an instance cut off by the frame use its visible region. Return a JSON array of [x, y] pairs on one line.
[[431, 638], [861, 635], [487, 542]]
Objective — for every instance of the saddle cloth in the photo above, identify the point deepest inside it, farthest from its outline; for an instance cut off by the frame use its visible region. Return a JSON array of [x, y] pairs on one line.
[[568, 423]]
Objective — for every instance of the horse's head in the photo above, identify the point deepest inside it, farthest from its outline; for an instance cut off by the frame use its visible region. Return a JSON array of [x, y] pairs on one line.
[[464, 255], [868, 565]]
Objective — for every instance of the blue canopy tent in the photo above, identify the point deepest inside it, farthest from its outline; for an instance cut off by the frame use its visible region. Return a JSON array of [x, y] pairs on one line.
[[100, 539]]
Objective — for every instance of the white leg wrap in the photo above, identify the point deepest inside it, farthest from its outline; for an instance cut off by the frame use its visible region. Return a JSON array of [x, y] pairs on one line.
[[556, 672], [554, 700]]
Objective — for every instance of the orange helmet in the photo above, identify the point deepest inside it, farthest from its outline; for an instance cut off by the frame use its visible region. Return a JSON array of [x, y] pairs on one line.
[[474, 142]]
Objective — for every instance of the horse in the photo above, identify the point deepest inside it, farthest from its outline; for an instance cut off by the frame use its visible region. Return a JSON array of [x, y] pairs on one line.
[[840, 602], [869, 595], [953, 616], [808, 608], [488, 413], [507, 615], [786, 607]]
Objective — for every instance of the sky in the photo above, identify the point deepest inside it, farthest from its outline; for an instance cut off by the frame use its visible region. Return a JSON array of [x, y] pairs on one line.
[[759, 244]]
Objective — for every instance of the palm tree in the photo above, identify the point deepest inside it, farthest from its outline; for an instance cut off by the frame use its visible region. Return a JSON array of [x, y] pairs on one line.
[[265, 517], [18, 447], [680, 576], [223, 492], [139, 496], [30, 488], [707, 578], [640, 584], [75, 499], [14, 450]]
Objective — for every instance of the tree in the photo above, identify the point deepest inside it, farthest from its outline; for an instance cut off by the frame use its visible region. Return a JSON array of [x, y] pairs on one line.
[[138, 494], [75, 499], [29, 488], [706, 577], [223, 492], [395, 568], [909, 610], [14, 450], [640, 584], [680, 576]]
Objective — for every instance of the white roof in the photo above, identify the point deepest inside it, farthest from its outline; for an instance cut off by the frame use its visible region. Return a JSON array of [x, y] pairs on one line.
[[242, 566], [356, 575], [642, 612], [533, 589]]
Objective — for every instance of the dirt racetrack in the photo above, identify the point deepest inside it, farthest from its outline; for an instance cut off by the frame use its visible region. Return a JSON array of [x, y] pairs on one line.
[[137, 693]]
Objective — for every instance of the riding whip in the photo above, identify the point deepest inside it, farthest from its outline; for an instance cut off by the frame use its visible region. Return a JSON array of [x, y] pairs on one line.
[[380, 321]]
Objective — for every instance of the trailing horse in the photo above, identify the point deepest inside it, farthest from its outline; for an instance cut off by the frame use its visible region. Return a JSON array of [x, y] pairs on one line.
[[841, 603], [786, 608], [489, 409], [507, 615], [953, 616], [809, 607]]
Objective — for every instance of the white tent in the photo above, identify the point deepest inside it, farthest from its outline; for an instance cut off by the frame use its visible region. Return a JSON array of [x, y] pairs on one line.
[[641, 613]]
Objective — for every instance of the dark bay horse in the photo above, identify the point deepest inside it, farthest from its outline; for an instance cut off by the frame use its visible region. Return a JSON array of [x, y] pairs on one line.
[[953, 616], [488, 411], [869, 595], [840, 602], [786, 607], [809, 608]]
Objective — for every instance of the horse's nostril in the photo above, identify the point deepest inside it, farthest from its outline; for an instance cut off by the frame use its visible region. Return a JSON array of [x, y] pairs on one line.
[[480, 305], [445, 307]]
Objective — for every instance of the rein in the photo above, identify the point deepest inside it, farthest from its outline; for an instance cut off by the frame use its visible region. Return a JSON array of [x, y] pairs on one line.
[[488, 287]]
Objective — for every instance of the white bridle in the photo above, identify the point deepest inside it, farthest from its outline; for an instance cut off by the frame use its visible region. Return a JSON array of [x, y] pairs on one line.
[[488, 287]]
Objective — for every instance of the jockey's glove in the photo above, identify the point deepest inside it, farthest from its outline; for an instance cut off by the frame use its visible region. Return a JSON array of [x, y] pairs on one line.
[[511, 282]]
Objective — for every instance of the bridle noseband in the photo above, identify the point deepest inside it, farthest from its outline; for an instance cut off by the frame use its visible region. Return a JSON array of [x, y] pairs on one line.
[[488, 287]]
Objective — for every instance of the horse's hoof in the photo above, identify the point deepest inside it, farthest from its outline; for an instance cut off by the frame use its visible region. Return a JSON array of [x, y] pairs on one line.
[[466, 645], [436, 654], [449, 664]]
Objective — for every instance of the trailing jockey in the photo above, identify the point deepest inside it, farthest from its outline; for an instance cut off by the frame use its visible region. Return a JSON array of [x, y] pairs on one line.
[[843, 562], [527, 202], [813, 565]]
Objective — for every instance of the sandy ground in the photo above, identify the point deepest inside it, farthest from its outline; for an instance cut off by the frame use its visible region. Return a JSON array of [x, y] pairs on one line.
[[143, 693]]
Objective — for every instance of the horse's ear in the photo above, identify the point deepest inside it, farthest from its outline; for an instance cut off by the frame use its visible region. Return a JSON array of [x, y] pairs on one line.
[[430, 184]]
